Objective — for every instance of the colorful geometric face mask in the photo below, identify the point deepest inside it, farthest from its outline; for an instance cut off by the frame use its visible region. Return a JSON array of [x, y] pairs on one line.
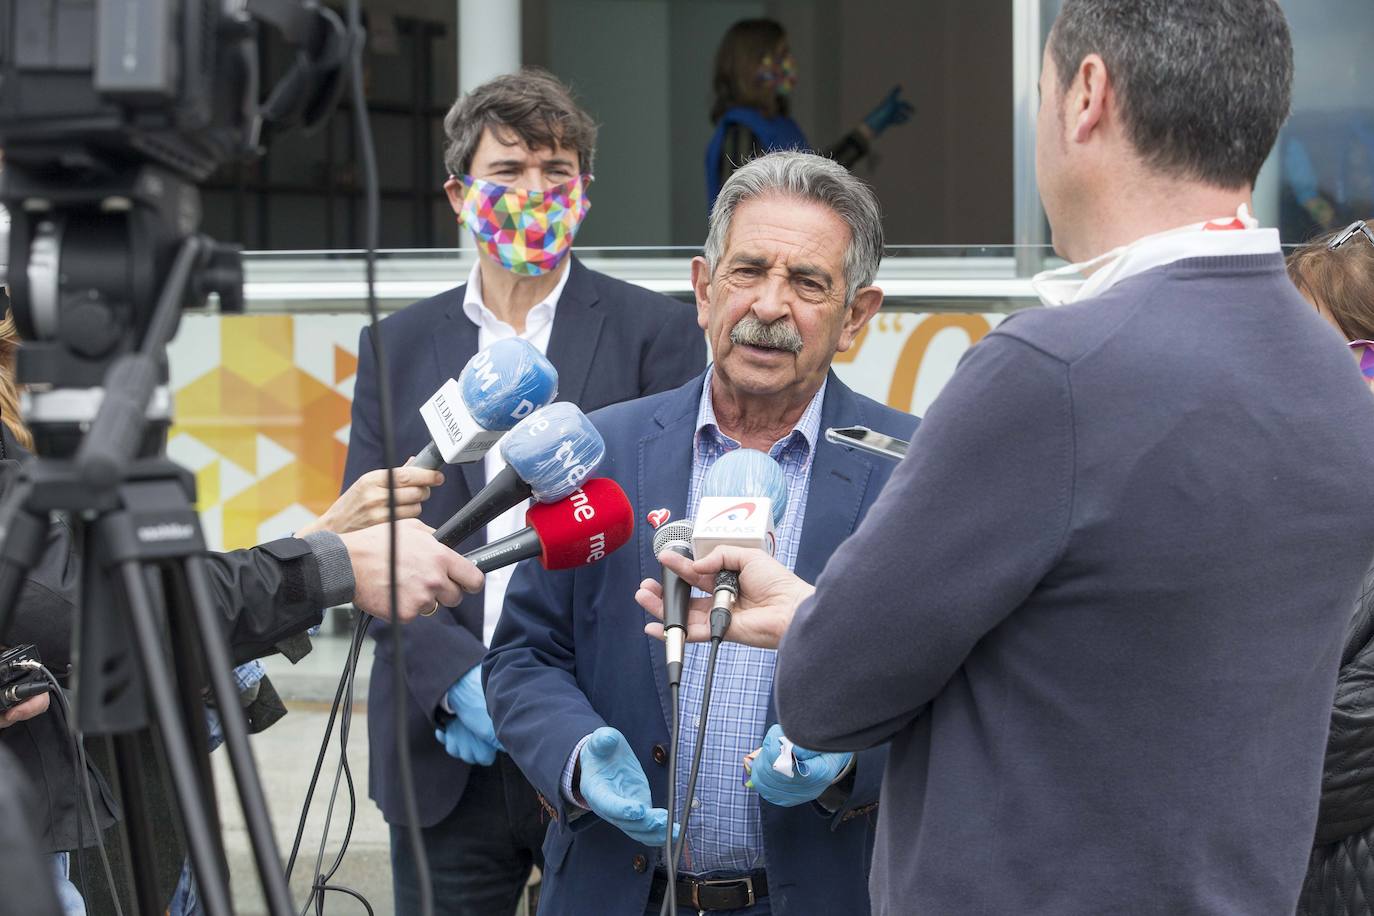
[[528, 232], [782, 74]]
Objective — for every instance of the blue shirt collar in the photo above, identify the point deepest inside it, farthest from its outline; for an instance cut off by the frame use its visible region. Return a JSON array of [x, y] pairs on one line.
[[806, 432]]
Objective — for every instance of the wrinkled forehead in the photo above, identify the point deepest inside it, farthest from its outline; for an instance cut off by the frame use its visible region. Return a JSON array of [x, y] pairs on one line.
[[781, 230]]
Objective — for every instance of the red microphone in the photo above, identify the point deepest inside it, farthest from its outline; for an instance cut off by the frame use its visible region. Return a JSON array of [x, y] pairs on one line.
[[577, 530]]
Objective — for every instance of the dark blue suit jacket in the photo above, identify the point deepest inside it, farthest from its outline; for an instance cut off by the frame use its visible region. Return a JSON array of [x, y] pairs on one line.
[[611, 341], [570, 656]]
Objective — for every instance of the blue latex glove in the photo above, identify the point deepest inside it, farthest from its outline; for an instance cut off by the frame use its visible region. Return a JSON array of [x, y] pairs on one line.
[[614, 786], [469, 736], [813, 772], [893, 109]]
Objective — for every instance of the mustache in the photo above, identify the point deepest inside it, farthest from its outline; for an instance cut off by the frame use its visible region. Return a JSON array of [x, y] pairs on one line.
[[779, 335]]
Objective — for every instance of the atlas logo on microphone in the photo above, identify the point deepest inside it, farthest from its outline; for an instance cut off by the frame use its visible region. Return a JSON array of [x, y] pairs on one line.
[[728, 520], [737, 513]]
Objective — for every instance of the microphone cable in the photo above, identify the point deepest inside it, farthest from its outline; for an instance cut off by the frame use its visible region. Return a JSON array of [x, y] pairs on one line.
[[84, 796], [720, 622], [341, 709], [670, 860], [670, 894], [342, 706], [372, 229]]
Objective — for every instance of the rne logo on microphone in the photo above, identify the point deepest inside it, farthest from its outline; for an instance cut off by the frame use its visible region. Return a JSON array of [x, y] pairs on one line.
[[596, 547], [583, 511], [739, 512]]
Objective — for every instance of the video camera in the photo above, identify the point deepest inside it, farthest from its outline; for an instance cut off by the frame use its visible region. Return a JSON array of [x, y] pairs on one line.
[[110, 112]]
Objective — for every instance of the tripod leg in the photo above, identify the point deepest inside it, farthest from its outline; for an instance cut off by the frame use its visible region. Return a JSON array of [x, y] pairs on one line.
[[207, 854], [235, 727], [130, 767], [190, 675]]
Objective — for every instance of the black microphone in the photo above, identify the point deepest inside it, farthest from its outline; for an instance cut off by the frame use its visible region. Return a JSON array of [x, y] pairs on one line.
[[723, 602], [677, 537], [548, 455]]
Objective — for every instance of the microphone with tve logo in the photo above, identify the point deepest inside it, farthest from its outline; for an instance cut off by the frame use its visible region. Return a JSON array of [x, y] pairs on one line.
[[548, 455], [581, 529], [743, 497], [500, 386]]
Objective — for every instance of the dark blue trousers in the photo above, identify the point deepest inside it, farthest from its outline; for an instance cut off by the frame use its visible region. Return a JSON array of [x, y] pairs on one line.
[[481, 854]]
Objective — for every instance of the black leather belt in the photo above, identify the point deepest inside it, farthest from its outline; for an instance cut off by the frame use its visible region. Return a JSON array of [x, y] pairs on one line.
[[713, 894]]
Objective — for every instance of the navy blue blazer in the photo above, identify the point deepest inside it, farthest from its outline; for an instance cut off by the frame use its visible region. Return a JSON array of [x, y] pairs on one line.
[[570, 655], [611, 341]]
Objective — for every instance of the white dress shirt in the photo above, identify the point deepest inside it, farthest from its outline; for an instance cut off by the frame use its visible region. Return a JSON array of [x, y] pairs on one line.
[[538, 328]]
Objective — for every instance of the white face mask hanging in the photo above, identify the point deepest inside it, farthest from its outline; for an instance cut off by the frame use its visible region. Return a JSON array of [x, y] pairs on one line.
[[1063, 285]]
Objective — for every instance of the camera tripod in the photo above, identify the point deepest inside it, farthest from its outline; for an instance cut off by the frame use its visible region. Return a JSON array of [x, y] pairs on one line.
[[147, 634]]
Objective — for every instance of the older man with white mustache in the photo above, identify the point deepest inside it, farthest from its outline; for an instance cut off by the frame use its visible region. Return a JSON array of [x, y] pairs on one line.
[[577, 689]]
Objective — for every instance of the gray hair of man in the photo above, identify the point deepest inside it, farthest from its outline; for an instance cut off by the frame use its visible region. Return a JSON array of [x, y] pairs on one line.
[[805, 176]]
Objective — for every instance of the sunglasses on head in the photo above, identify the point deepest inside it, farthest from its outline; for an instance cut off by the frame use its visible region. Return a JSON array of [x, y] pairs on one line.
[[1364, 352], [1349, 233]]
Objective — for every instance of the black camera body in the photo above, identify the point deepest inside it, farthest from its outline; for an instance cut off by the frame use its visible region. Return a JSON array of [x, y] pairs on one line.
[[173, 82], [111, 112]]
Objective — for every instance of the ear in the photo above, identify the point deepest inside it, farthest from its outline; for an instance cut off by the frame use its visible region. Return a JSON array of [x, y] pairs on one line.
[[1087, 98], [701, 285], [866, 303], [454, 189]]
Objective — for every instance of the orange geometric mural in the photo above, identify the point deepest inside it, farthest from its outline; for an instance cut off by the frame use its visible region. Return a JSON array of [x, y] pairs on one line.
[[257, 393]]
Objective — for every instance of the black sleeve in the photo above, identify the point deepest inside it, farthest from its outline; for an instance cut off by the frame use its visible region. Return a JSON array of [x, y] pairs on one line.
[[1347, 800], [850, 148], [739, 147], [266, 594], [45, 609]]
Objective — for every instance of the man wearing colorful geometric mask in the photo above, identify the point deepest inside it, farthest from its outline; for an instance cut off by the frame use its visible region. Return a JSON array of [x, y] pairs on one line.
[[519, 155]]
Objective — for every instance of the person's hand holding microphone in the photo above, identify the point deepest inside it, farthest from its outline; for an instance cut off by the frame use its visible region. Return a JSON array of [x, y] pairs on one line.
[[768, 595]]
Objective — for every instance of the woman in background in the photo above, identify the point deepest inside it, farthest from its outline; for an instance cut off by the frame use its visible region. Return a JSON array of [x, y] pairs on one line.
[[755, 75], [34, 731], [1336, 274]]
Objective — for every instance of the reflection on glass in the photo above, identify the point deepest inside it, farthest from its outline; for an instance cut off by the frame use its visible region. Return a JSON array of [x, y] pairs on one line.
[[1328, 171]]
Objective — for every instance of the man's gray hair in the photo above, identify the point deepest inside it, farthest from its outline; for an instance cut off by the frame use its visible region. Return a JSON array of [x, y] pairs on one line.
[[806, 176]]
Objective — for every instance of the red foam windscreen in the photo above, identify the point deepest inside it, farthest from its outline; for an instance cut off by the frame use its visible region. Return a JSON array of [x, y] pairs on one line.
[[583, 528]]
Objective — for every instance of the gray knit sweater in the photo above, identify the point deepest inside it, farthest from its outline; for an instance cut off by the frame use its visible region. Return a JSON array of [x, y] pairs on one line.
[[1098, 610]]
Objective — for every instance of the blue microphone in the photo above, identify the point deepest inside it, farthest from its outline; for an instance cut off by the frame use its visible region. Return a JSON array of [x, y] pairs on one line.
[[743, 498], [500, 386], [548, 456]]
